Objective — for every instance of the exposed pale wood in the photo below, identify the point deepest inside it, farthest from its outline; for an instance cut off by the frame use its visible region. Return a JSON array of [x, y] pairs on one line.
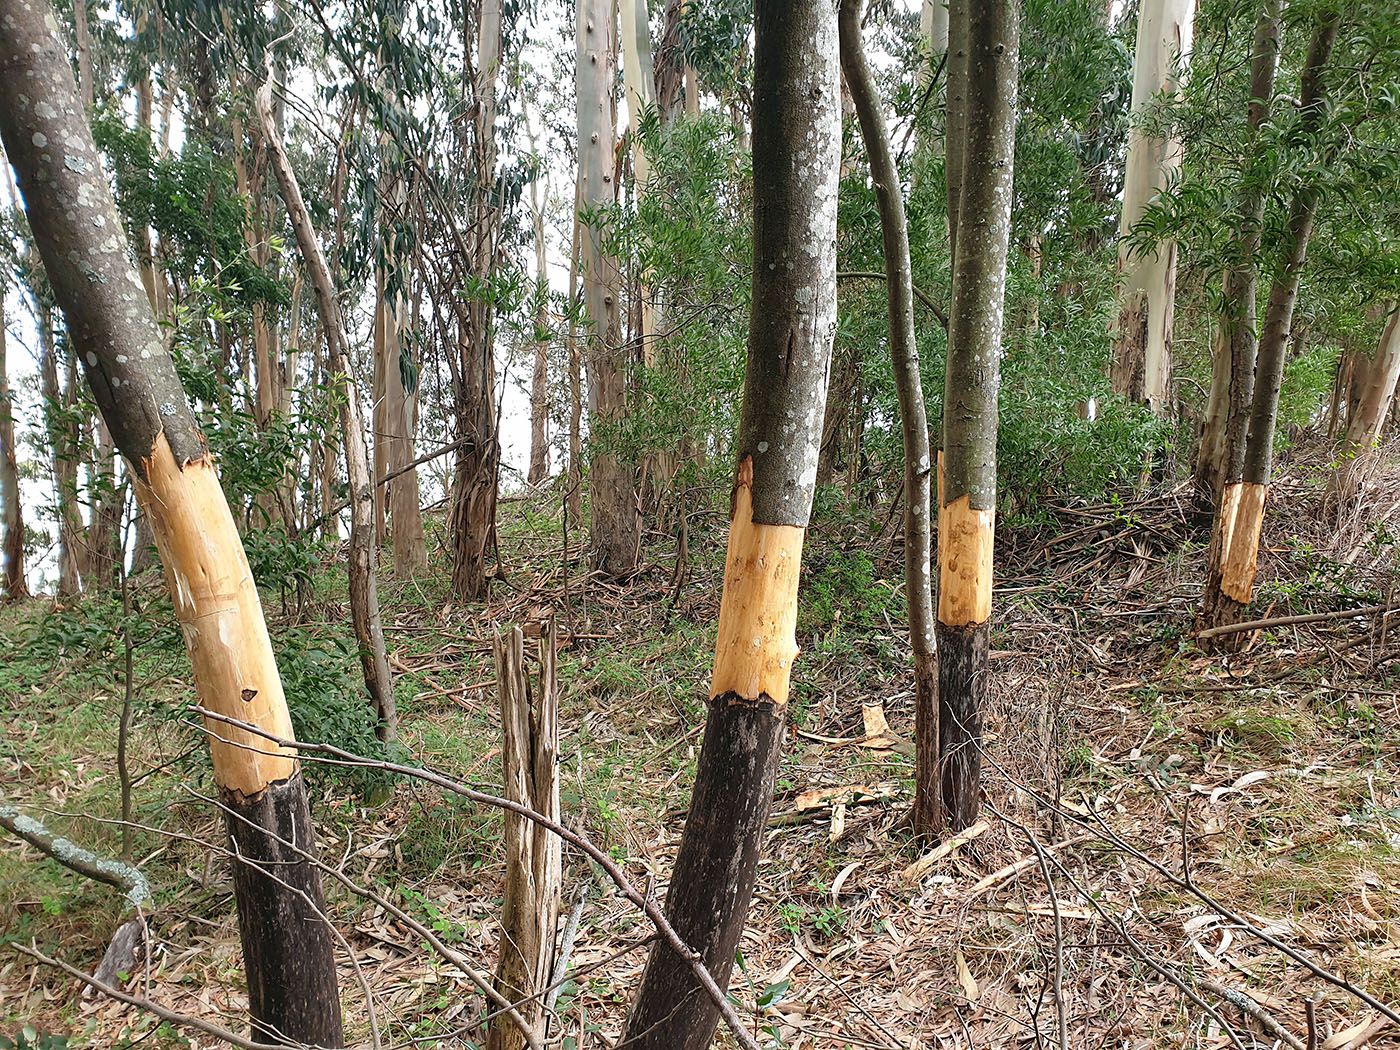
[[757, 640], [966, 536], [217, 605], [1241, 518]]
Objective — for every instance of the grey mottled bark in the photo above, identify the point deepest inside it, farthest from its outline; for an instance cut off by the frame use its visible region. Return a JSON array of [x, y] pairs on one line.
[[794, 276], [979, 192]]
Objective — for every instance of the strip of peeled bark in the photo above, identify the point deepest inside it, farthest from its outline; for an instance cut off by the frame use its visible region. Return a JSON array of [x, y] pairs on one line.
[[364, 586], [1221, 455], [1142, 346], [1234, 553], [1378, 391], [984, 77], [286, 943], [797, 146], [913, 418]]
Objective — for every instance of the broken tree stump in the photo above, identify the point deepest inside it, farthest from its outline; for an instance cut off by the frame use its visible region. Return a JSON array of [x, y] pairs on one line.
[[530, 756]]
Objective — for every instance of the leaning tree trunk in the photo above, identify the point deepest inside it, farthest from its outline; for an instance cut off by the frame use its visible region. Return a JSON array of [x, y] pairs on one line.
[[286, 939], [1234, 552], [1143, 340], [984, 48], [797, 147], [904, 355], [11, 509], [364, 584], [1221, 455], [539, 378], [615, 528]]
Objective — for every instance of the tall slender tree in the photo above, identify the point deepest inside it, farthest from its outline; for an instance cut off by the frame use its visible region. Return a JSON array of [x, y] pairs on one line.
[[11, 507], [983, 51], [363, 561], [615, 529], [1143, 341], [797, 155], [1239, 518], [1221, 452], [913, 418], [286, 940]]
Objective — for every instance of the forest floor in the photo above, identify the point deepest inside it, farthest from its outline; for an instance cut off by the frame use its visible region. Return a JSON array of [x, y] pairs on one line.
[[1178, 849]]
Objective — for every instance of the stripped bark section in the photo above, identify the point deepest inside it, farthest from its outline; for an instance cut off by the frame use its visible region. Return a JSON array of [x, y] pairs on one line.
[[757, 640], [287, 955]]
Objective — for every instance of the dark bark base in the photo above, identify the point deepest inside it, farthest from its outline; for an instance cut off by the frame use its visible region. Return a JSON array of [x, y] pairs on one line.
[[962, 687], [928, 795], [714, 876], [287, 951], [1218, 609]]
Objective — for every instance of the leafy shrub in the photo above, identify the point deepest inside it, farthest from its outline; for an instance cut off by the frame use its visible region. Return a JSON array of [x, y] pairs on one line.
[[328, 706]]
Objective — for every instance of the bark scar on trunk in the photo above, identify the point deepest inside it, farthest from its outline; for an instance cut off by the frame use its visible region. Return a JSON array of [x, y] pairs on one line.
[[757, 639], [965, 541], [1242, 518]]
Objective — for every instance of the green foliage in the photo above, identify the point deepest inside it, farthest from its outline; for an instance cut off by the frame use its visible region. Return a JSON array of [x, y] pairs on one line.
[[191, 199], [328, 704], [29, 1038]]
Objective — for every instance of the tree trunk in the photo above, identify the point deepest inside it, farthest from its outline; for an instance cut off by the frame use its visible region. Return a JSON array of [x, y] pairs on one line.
[[1221, 455], [615, 530], [364, 586], [1143, 341], [286, 940], [11, 505], [904, 355], [574, 498], [530, 761], [796, 115], [1234, 553], [1378, 391], [396, 415], [475, 482], [984, 48], [539, 379], [63, 450]]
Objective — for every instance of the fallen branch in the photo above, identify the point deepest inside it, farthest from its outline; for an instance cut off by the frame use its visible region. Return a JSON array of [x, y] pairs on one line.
[[72, 856], [1242, 1000], [1287, 621]]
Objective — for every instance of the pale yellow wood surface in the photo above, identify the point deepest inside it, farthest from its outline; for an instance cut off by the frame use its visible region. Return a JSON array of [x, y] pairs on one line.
[[965, 540], [757, 640], [217, 604], [1241, 519]]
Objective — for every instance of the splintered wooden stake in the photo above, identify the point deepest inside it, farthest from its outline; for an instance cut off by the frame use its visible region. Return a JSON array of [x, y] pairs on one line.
[[529, 757]]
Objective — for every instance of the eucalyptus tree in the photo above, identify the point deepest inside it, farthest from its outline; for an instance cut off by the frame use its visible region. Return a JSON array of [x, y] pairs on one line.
[[797, 144], [11, 507], [286, 941], [983, 67], [1220, 455], [615, 526], [1239, 518], [1143, 340]]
